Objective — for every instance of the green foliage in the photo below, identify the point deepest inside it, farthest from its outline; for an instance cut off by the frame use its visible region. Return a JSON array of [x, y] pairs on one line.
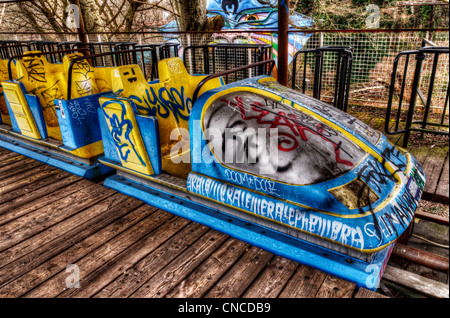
[[352, 14]]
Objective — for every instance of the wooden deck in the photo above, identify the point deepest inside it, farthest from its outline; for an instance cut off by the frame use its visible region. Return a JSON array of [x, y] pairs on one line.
[[55, 227]]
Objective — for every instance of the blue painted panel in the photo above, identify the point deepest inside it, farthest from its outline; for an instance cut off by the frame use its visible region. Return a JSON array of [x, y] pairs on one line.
[[36, 110], [78, 120], [148, 126], [109, 147]]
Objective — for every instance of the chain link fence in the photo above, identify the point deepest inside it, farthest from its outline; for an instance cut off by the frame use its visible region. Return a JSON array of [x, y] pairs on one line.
[[373, 56]]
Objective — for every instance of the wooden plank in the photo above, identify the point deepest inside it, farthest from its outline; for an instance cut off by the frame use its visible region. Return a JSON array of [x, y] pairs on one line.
[[163, 237], [273, 279], [305, 283], [207, 274], [39, 220], [8, 158], [365, 293], [36, 190], [19, 170], [241, 275], [160, 284], [46, 244], [432, 167], [333, 287], [416, 282], [134, 277], [80, 242], [9, 212], [15, 182], [442, 189], [108, 250], [15, 165]]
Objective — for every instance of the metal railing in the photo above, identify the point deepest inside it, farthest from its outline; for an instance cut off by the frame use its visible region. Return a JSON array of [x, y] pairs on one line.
[[343, 70], [267, 64], [214, 58], [430, 54]]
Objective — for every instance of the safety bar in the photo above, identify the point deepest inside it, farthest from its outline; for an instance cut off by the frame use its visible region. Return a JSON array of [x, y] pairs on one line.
[[228, 53], [37, 54], [75, 60], [6, 50], [270, 63]]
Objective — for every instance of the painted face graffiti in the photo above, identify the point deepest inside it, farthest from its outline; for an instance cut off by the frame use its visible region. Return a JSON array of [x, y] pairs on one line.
[[309, 151]]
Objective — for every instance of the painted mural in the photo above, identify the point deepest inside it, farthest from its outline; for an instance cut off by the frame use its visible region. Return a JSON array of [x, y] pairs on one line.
[[254, 15]]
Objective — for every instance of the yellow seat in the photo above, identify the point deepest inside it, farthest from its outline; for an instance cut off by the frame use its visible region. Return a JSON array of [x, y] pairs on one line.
[[169, 100], [48, 82], [87, 80]]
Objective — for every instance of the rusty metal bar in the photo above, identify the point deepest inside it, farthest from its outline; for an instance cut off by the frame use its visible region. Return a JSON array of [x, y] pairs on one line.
[[420, 257], [270, 63], [249, 31], [283, 41], [431, 217]]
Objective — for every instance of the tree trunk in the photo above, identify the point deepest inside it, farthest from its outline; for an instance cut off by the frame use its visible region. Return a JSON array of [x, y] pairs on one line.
[[91, 16]]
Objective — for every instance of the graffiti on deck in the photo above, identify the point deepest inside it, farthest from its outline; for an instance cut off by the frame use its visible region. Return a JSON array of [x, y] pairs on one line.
[[298, 126]]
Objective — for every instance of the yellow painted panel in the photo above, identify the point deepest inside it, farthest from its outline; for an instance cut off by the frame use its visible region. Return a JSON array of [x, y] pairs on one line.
[[21, 110], [125, 133], [169, 100], [48, 82]]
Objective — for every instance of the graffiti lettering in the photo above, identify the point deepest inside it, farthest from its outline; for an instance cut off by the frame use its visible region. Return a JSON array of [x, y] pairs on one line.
[[35, 69], [375, 174], [120, 131], [250, 181], [296, 123], [79, 112], [281, 212], [163, 103]]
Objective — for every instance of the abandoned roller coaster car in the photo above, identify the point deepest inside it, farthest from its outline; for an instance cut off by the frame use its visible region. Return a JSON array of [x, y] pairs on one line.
[[40, 120], [262, 163]]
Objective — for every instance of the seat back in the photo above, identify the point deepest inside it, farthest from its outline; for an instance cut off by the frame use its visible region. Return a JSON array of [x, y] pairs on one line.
[[126, 137], [86, 79], [48, 82]]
